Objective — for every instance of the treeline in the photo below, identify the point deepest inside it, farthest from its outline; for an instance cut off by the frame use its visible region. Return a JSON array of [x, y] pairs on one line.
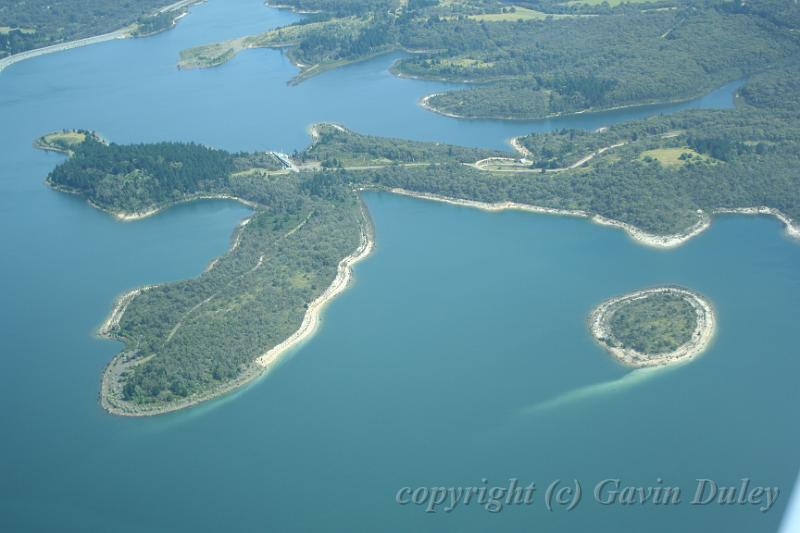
[[562, 148], [208, 331], [333, 44], [137, 177], [350, 148], [342, 8], [751, 155], [581, 58], [572, 64], [38, 23], [151, 24]]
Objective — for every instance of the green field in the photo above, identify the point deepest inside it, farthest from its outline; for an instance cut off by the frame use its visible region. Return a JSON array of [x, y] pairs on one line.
[[673, 157], [515, 13], [67, 138], [611, 3], [5, 30]]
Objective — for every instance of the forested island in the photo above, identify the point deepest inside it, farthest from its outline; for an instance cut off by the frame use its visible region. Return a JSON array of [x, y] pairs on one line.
[[192, 340], [537, 59], [654, 327]]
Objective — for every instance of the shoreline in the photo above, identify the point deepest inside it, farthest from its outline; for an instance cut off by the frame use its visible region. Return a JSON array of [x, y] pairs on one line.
[[312, 317], [109, 386], [424, 103], [121, 33], [638, 235], [697, 344], [293, 9], [123, 216], [109, 395], [121, 303], [519, 147], [653, 240]]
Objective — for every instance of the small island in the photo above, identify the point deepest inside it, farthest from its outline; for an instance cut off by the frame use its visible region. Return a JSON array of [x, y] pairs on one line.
[[654, 327]]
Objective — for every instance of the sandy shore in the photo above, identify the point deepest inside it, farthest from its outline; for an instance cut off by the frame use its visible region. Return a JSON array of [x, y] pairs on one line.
[[313, 129], [658, 241], [110, 387], [701, 336], [130, 217], [120, 305], [519, 147], [311, 319], [424, 103], [640, 236]]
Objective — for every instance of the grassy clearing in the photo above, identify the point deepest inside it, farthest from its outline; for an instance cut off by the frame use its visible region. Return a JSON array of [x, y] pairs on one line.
[[518, 13], [258, 173], [673, 157], [5, 30], [301, 280], [612, 3], [466, 62], [64, 138]]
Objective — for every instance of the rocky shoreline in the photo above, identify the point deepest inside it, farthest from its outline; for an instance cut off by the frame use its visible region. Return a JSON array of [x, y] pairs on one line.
[[599, 325], [638, 235]]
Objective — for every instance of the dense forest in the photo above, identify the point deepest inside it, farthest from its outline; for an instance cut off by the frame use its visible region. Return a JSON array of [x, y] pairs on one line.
[[191, 339], [574, 64], [342, 147], [28, 24], [737, 158], [139, 177], [533, 64], [341, 8], [208, 331]]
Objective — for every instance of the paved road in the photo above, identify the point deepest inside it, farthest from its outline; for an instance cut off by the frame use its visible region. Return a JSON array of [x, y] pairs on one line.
[[121, 33]]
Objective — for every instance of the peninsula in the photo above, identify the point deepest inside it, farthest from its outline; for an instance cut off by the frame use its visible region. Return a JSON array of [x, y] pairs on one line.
[[537, 60], [661, 180]]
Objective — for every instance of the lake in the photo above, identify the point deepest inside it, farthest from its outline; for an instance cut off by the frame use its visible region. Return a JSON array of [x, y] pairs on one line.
[[460, 354]]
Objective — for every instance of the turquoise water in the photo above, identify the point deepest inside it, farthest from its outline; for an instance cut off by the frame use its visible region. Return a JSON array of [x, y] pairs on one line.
[[460, 353]]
